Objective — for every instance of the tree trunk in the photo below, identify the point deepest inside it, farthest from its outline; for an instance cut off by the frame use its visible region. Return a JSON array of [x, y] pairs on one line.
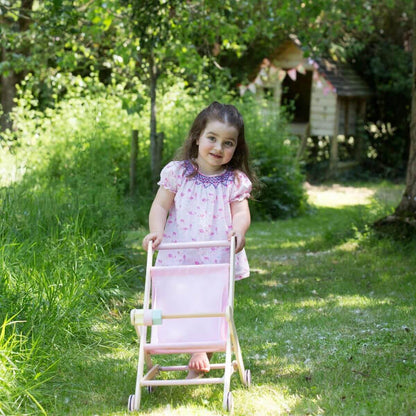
[[155, 147], [403, 221], [8, 93], [333, 152], [8, 82]]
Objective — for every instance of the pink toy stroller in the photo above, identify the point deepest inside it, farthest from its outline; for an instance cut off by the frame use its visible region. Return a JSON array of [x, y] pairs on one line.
[[192, 311]]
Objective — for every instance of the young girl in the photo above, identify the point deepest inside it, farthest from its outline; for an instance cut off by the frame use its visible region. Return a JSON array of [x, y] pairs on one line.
[[203, 196]]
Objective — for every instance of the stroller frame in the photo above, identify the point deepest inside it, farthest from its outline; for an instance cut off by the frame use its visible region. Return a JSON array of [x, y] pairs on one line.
[[141, 319]]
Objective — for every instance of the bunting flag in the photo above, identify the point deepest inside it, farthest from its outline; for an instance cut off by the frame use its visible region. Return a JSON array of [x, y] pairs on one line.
[[268, 70], [243, 89], [292, 73], [301, 69], [263, 73], [281, 75], [258, 80]]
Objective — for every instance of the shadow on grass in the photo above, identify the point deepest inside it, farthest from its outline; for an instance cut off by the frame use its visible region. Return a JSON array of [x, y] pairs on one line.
[[322, 229]]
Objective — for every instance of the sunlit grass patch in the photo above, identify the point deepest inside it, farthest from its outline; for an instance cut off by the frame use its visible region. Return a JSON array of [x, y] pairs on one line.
[[266, 399], [339, 196]]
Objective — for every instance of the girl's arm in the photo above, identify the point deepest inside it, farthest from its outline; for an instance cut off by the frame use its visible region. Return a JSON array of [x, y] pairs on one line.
[[157, 217], [240, 213]]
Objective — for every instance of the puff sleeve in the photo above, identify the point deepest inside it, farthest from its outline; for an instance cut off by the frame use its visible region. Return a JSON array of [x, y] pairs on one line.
[[171, 176], [242, 187]]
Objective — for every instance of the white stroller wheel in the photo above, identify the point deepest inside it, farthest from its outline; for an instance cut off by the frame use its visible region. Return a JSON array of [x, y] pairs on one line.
[[130, 405], [247, 378], [149, 389], [230, 402]]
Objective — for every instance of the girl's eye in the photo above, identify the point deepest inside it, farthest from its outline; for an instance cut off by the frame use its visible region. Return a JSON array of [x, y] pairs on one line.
[[229, 144], [211, 138]]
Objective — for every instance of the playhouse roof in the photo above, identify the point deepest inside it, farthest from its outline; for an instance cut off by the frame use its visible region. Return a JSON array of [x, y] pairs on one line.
[[344, 79]]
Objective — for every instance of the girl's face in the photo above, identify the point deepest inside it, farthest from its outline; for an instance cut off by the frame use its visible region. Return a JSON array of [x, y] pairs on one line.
[[216, 147]]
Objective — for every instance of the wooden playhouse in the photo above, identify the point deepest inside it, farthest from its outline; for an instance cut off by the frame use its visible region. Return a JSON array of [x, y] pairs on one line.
[[329, 98]]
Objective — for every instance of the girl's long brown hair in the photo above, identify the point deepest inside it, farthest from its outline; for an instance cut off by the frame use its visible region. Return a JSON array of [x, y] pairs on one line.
[[225, 113]]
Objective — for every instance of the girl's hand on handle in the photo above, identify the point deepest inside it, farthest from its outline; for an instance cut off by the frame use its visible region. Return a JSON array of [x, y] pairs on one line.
[[240, 241], [240, 213], [155, 238]]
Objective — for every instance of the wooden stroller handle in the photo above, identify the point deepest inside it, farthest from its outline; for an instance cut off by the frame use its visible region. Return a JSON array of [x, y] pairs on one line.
[[195, 244]]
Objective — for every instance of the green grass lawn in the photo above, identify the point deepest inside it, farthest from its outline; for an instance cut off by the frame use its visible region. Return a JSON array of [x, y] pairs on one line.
[[326, 322]]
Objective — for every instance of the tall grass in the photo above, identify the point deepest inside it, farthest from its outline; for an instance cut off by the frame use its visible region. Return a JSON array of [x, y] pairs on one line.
[[21, 377], [61, 228], [56, 270]]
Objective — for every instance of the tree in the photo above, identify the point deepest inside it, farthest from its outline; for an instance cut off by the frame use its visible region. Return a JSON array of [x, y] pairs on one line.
[[45, 37], [402, 222], [153, 28], [173, 36], [15, 22]]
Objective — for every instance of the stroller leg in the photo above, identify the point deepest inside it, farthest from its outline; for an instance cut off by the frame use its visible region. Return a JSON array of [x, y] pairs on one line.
[[227, 373], [237, 352], [134, 400]]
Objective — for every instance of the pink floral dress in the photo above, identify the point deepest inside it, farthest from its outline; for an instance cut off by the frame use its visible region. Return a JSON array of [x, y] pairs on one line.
[[201, 211]]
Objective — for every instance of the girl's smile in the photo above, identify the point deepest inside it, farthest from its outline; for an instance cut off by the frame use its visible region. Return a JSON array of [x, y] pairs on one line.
[[216, 147]]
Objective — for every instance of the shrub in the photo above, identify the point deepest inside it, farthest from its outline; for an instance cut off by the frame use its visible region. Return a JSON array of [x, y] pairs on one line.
[[273, 151]]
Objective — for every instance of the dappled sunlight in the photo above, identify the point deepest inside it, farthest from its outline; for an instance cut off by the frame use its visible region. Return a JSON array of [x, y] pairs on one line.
[[274, 399], [265, 400], [349, 246], [390, 195], [281, 244], [259, 271], [350, 301], [293, 244], [338, 196], [314, 320], [10, 173], [357, 301]]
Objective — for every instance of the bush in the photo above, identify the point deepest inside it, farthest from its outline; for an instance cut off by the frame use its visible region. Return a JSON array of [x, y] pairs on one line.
[[273, 151], [388, 121], [84, 144]]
